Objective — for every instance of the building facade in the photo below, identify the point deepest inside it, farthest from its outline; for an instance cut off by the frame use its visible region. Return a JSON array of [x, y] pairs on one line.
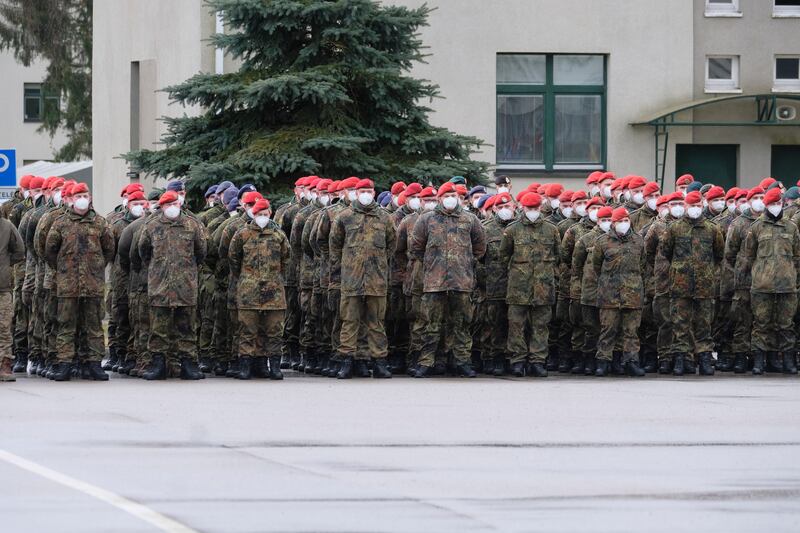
[[556, 88]]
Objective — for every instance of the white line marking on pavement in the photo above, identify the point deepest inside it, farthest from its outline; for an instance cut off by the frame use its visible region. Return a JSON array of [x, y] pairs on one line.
[[138, 510]]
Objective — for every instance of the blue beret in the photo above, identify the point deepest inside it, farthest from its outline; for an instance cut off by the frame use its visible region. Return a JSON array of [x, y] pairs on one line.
[[211, 190], [483, 200], [775, 184], [792, 193], [176, 185], [384, 198], [247, 187], [229, 194], [477, 189], [222, 187], [694, 186], [458, 180], [232, 205]]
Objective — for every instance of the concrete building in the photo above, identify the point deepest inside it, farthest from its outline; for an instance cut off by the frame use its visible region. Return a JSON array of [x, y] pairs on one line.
[[557, 88]]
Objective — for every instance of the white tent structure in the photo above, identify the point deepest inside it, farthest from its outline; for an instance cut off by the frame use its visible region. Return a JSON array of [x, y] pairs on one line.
[[77, 170]]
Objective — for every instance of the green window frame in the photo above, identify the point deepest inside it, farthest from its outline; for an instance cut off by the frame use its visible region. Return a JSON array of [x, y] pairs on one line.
[[551, 93], [36, 102]]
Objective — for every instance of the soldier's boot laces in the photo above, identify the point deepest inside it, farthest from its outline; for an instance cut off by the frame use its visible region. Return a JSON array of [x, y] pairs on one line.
[[678, 364], [633, 369], [740, 363], [706, 364], [790, 362], [245, 371], [260, 368], [62, 371], [21, 364], [602, 368], [189, 370], [6, 370], [275, 373], [156, 370], [380, 370], [346, 369], [93, 371], [758, 362]]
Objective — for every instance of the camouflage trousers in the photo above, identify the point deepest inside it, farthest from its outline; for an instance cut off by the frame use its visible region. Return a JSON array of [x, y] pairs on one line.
[[120, 310], [446, 314], [140, 326], [363, 315], [77, 318], [50, 329], [591, 328], [21, 314], [172, 333], [308, 324], [335, 321], [773, 321], [691, 325], [564, 333], [742, 316], [6, 315], [723, 326], [496, 321], [528, 332], [225, 328], [578, 337], [477, 326], [619, 327], [291, 321], [417, 323], [108, 311], [36, 326], [260, 333], [206, 315], [319, 299], [663, 319], [397, 324], [648, 329]]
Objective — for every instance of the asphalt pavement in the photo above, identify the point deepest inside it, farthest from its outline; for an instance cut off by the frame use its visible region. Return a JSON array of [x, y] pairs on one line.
[[562, 454]]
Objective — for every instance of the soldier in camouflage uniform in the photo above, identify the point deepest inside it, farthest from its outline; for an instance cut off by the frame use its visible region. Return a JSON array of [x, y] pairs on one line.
[[258, 257], [790, 199], [171, 246], [447, 242], [618, 259], [531, 248], [648, 211], [12, 251], [694, 246], [78, 247], [362, 241], [772, 252], [21, 310], [723, 323], [567, 357]]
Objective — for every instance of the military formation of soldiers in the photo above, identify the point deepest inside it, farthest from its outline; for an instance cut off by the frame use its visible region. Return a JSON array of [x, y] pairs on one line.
[[425, 280]]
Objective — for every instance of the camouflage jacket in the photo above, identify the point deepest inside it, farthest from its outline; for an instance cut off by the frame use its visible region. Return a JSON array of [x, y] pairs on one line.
[[227, 281], [120, 280], [412, 285], [735, 251], [38, 265], [619, 264], [172, 251], [657, 271], [400, 263], [330, 271], [725, 219], [583, 279], [694, 249], [12, 252], [772, 251], [18, 211], [494, 264], [8, 207], [311, 264], [531, 250], [363, 240], [78, 247], [211, 213], [285, 218], [258, 258], [128, 256], [40, 240], [299, 262], [641, 218], [566, 288], [790, 211], [555, 217], [29, 272], [214, 232], [448, 244]]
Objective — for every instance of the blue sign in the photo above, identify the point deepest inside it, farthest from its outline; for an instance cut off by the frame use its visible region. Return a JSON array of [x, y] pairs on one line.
[[8, 168]]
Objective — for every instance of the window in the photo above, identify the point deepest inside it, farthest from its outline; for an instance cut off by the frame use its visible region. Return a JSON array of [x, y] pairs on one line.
[[723, 8], [786, 8], [551, 111], [36, 102], [722, 74], [787, 73]]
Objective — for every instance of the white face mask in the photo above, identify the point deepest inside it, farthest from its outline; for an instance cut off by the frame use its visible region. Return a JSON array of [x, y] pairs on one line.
[[261, 221], [450, 202], [313, 196], [365, 198], [502, 190], [352, 196], [651, 203], [26, 194], [731, 206], [181, 199], [607, 191], [430, 206], [627, 196], [249, 212], [303, 195], [124, 202], [580, 210], [475, 203], [594, 190], [743, 207], [82, 204], [663, 212], [414, 203], [505, 213], [57, 198], [775, 209], [694, 211], [638, 198], [622, 228], [137, 210], [554, 203], [718, 205], [395, 202], [567, 212], [676, 211], [533, 215], [593, 215], [172, 212], [757, 206], [324, 200], [605, 225]]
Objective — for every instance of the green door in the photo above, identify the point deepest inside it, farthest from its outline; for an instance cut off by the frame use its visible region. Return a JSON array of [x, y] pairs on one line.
[[786, 163], [708, 163]]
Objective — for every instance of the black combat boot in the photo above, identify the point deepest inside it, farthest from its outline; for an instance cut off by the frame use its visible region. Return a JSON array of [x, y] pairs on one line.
[[156, 370], [518, 370], [678, 364], [538, 370], [189, 370], [616, 364], [346, 369], [602, 368], [706, 364], [591, 363], [488, 367], [360, 368], [439, 368], [422, 371], [633, 369], [465, 370], [689, 366], [774, 362], [220, 368], [301, 365], [790, 362], [245, 368], [93, 371], [552, 361], [285, 362], [565, 363], [34, 368], [380, 370], [650, 362], [42, 370], [275, 373], [205, 365], [127, 366], [259, 368], [499, 366], [740, 363], [724, 362], [112, 359], [336, 364], [579, 364], [20, 363], [665, 367], [233, 369], [294, 356], [310, 363], [477, 361], [758, 362], [322, 363], [62, 371]]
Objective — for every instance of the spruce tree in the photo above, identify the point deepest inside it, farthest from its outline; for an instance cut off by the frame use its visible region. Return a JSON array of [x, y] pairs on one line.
[[323, 89]]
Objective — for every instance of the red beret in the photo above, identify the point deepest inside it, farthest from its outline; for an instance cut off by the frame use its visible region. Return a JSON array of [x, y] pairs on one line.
[[675, 197], [616, 184], [594, 177], [742, 194], [618, 214], [55, 183], [461, 190], [401, 199], [693, 197], [605, 212], [37, 182], [636, 181], [261, 204], [66, 191], [312, 181], [554, 190], [365, 183], [732, 193], [500, 199], [323, 184], [533, 187], [136, 195], [251, 197], [579, 195], [301, 182], [446, 188], [489, 203], [334, 186], [662, 200], [427, 192], [686, 179], [531, 199], [132, 187], [166, 198], [25, 181], [349, 183], [607, 176], [595, 201], [412, 189], [650, 188], [78, 188], [398, 187], [754, 191], [766, 182], [773, 196], [566, 196], [522, 193], [715, 192]]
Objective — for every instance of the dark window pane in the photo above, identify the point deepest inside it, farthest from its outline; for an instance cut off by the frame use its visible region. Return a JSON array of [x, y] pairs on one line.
[[787, 68], [33, 108], [578, 129], [788, 3], [720, 68], [520, 129]]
